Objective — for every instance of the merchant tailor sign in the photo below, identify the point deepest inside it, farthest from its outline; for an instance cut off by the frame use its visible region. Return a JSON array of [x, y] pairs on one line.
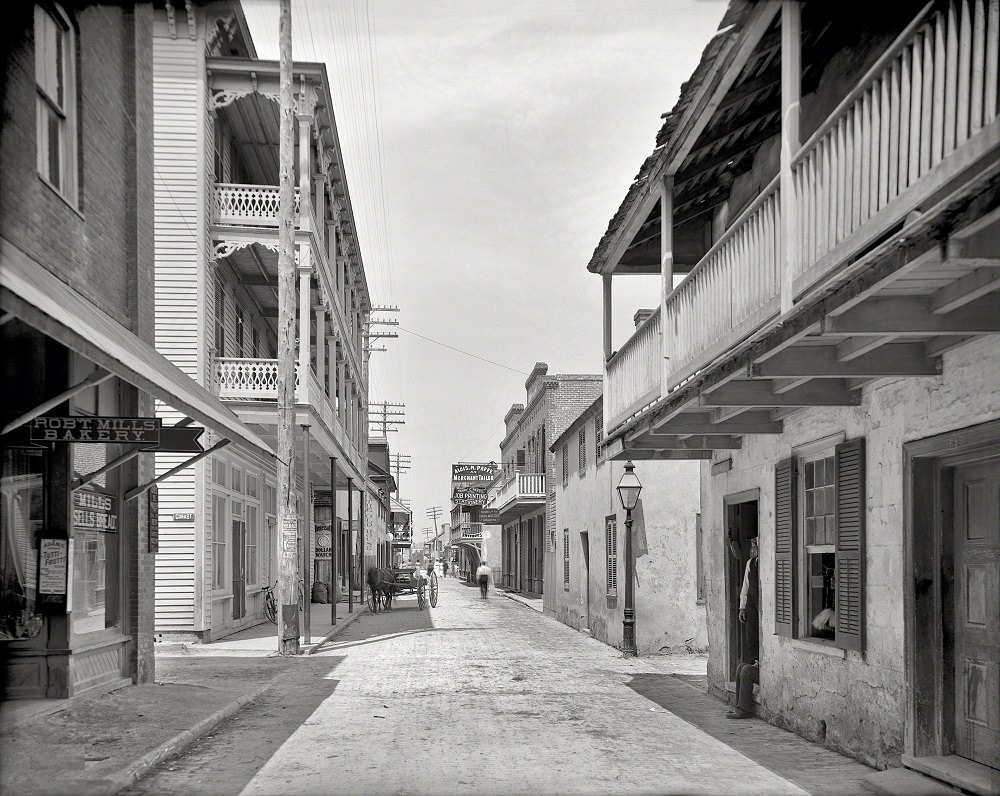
[[465, 473], [94, 511]]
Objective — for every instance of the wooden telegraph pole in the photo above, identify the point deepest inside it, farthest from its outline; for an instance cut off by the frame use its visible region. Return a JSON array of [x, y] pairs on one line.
[[288, 626]]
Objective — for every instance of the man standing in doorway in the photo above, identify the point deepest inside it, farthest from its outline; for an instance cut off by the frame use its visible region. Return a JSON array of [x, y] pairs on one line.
[[748, 670]]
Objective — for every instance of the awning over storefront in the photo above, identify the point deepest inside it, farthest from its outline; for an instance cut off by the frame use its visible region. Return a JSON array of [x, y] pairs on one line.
[[32, 293]]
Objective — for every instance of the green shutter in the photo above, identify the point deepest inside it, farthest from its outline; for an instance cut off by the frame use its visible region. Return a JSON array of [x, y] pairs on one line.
[[785, 539], [851, 544]]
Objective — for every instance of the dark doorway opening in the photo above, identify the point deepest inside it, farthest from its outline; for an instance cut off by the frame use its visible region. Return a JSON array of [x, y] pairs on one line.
[[741, 527]]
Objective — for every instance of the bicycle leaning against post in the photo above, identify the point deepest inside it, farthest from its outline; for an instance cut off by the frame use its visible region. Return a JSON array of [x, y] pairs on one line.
[[270, 605]]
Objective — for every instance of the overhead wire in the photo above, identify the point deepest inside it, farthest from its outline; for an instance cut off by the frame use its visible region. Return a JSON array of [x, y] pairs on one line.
[[461, 351]]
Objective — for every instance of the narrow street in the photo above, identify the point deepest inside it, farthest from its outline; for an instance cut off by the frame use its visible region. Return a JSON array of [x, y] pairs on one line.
[[489, 696]]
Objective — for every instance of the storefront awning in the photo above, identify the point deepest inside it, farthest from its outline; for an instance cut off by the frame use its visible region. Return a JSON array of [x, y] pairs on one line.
[[36, 296]]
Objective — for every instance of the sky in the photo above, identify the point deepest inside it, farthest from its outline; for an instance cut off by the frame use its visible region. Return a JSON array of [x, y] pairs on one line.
[[487, 144]]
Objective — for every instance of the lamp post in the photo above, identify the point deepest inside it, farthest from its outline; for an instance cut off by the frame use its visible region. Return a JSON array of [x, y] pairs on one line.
[[628, 491]]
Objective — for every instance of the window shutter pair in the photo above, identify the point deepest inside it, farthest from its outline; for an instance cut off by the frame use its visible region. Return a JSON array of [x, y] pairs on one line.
[[850, 546]]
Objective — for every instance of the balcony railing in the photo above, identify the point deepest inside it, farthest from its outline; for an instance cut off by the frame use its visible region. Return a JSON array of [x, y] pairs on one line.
[[251, 379], [525, 485], [634, 372], [921, 116], [248, 205], [472, 531]]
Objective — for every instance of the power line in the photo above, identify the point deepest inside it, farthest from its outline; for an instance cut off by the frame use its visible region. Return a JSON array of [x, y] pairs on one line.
[[460, 351]]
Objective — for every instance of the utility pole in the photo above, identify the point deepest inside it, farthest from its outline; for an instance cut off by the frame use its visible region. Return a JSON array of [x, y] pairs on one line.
[[370, 335], [434, 512], [380, 416], [288, 624], [400, 462]]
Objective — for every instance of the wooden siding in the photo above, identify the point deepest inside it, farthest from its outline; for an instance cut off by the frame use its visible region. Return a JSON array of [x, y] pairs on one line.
[[176, 87]]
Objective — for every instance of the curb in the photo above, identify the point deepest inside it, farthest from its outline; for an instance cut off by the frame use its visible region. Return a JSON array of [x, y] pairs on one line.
[[350, 620], [514, 598], [127, 776]]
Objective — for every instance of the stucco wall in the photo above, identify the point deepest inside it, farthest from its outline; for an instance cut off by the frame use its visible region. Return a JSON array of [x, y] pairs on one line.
[[668, 615], [854, 702]]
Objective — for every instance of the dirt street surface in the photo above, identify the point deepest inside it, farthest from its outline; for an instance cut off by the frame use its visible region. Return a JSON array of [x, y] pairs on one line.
[[481, 696]]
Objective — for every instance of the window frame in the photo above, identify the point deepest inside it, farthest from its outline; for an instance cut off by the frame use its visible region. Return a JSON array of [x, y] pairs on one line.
[[598, 437], [220, 547], [64, 110], [565, 464], [565, 559], [582, 442], [611, 554]]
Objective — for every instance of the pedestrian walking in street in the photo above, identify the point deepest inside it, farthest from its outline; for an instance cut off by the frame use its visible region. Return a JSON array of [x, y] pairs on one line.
[[445, 565], [748, 670], [483, 576]]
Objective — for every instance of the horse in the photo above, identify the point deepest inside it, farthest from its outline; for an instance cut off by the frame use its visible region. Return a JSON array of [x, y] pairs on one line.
[[382, 584]]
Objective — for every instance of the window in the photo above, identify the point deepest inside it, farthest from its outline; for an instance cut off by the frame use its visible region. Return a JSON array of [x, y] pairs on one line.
[[599, 436], [583, 451], [253, 531], [819, 578], [252, 485], [55, 83], [237, 480], [611, 542], [219, 472], [241, 331], [565, 464], [218, 541], [254, 342], [566, 559], [220, 320]]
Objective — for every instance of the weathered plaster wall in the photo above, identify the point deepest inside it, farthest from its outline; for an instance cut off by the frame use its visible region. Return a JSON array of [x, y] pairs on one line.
[[853, 702], [667, 612]]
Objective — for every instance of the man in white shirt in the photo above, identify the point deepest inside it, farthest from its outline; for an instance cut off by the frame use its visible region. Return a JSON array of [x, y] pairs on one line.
[[483, 577], [748, 670]]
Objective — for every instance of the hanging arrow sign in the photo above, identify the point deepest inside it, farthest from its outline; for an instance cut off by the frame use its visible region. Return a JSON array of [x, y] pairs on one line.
[[178, 439]]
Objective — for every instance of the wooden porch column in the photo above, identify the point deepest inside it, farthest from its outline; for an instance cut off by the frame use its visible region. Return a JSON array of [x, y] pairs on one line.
[[341, 385], [331, 370], [607, 316], [321, 346], [305, 324], [305, 169], [791, 90], [666, 267]]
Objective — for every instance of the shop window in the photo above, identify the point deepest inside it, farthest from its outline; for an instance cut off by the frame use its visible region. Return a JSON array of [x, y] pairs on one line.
[[219, 472], [237, 480], [611, 545], [252, 485], [56, 104], [22, 516], [819, 544]]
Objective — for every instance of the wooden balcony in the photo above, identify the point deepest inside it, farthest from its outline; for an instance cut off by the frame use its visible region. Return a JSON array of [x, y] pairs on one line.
[[523, 493], [472, 531], [881, 264], [248, 205]]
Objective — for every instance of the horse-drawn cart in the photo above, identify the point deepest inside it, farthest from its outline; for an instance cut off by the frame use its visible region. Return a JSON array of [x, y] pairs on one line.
[[385, 583]]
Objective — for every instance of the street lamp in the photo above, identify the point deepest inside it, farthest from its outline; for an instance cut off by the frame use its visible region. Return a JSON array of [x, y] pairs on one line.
[[628, 491]]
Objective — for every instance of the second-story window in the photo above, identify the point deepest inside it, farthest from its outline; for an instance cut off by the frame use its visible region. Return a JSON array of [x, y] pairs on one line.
[[565, 464], [599, 436], [55, 83], [583, 451]]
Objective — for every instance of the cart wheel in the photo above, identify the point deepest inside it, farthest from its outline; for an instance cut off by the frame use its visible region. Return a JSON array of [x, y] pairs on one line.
[[372, 601], [434, 589], [421, 599]]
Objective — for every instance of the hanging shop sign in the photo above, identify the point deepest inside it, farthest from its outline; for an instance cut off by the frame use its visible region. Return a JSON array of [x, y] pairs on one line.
[[470, 496], [95, 511], [153, 518], [143, 430], [489, 516], [471, 473], [146, 431]]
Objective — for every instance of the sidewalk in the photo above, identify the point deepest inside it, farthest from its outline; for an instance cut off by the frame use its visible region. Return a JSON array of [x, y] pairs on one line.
[[100, 743]]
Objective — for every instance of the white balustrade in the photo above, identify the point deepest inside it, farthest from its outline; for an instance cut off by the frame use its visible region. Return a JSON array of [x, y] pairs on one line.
[[733, 289], [633, 374], [530, 484], [249, 205], [928, 94], [255, 379]]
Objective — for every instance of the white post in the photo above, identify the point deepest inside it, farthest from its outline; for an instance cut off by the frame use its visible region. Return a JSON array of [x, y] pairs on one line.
[[791, 88], [305, 324], [607, 316], [666, 268], [321, 345]]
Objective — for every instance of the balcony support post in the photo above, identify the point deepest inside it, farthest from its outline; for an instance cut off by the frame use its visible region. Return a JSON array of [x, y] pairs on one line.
[[302, 394], [321, 346], [666, 264], [607, 316], [331, 371], [341, 387], [305, 169], [791, 90]]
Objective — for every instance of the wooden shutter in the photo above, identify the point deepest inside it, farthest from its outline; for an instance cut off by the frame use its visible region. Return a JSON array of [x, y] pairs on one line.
[[785, 540], [850, 542]]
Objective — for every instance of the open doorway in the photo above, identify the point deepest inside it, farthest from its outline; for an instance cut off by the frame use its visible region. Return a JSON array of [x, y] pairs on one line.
[[585, 581], [741, 526]]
